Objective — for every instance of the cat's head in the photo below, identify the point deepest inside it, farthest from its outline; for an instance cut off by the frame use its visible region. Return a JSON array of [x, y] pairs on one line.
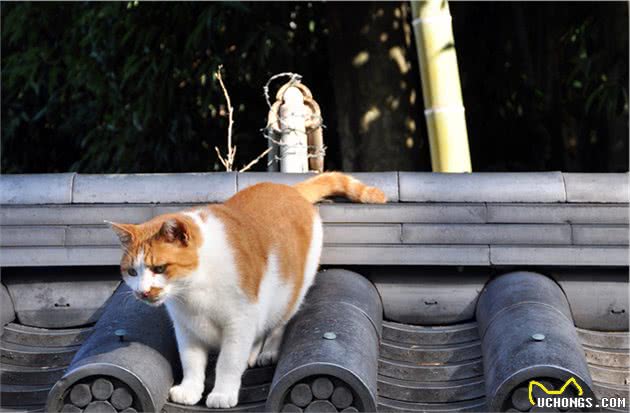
[[156, 254]]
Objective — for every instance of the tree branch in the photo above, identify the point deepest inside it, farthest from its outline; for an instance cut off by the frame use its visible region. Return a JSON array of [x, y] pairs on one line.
[[228, 161], [252, 163]]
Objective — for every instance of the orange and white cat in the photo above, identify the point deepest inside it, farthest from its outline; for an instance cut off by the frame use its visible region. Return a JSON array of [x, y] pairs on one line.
[[231, 275]]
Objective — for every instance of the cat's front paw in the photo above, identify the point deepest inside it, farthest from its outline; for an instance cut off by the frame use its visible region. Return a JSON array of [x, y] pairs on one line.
[[216, 400], [188, 395]]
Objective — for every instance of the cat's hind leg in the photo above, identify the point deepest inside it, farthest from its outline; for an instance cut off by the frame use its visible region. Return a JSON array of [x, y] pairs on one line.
[[253, 355], [271, 347]]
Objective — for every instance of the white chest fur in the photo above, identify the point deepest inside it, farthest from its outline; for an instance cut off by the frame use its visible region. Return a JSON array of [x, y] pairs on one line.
[[210, 310], [211, 298], [206, 301]]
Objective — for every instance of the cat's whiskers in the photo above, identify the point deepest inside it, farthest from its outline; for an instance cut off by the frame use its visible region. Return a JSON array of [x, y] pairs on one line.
[[177, 293], [125, 299], [177, 298]]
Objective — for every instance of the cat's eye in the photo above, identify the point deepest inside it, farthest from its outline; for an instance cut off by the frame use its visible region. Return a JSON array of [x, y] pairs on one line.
[[159, 269], [132, 272]]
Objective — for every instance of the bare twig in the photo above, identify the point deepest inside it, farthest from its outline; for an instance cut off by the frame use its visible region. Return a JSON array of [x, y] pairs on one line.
[[228, 161], [314, 121], [252, 163], [221, 158]]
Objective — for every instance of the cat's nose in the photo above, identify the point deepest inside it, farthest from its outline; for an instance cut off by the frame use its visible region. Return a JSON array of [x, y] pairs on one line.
[[142, 294], [152, 295]]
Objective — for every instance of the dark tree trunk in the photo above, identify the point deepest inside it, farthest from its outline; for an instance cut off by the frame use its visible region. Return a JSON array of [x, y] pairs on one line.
[[380, 125]]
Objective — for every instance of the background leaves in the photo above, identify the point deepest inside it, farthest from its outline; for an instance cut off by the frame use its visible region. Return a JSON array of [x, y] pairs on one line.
[[128, 86]]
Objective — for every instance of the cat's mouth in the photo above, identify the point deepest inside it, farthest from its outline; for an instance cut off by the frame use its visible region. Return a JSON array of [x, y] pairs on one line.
[[155, 302], [152, 299]]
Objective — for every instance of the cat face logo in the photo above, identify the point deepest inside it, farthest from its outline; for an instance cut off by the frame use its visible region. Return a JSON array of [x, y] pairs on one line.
[[553, 392]]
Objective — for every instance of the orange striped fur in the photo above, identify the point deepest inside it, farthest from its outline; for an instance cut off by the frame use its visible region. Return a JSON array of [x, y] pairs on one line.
[[335, 183]]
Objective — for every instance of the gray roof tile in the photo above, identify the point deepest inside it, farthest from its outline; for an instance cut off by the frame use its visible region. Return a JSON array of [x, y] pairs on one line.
[[154, 188], [36, 189], [481, 187], [603, 187]]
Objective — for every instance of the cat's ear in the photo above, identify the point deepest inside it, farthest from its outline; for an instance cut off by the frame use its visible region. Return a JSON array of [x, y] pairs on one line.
[[175, 230], [125, 232]]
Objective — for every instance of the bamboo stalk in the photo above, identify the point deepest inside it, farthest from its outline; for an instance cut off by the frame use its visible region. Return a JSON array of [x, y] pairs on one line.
[[441, 89]]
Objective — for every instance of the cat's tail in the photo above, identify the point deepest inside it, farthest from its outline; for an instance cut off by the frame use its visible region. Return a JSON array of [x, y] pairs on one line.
[[337, 184]]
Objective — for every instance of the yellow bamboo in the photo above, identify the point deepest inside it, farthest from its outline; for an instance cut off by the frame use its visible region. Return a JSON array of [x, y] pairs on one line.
[[441, 89]]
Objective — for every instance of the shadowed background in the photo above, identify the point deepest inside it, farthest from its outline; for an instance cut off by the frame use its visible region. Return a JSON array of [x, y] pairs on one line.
[[128, 87]]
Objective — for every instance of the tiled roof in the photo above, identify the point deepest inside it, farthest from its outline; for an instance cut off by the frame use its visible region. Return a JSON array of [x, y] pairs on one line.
[[484, 219]]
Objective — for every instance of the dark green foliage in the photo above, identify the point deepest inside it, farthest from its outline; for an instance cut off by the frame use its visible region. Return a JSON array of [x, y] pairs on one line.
[[129, 87], [545, 84]]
